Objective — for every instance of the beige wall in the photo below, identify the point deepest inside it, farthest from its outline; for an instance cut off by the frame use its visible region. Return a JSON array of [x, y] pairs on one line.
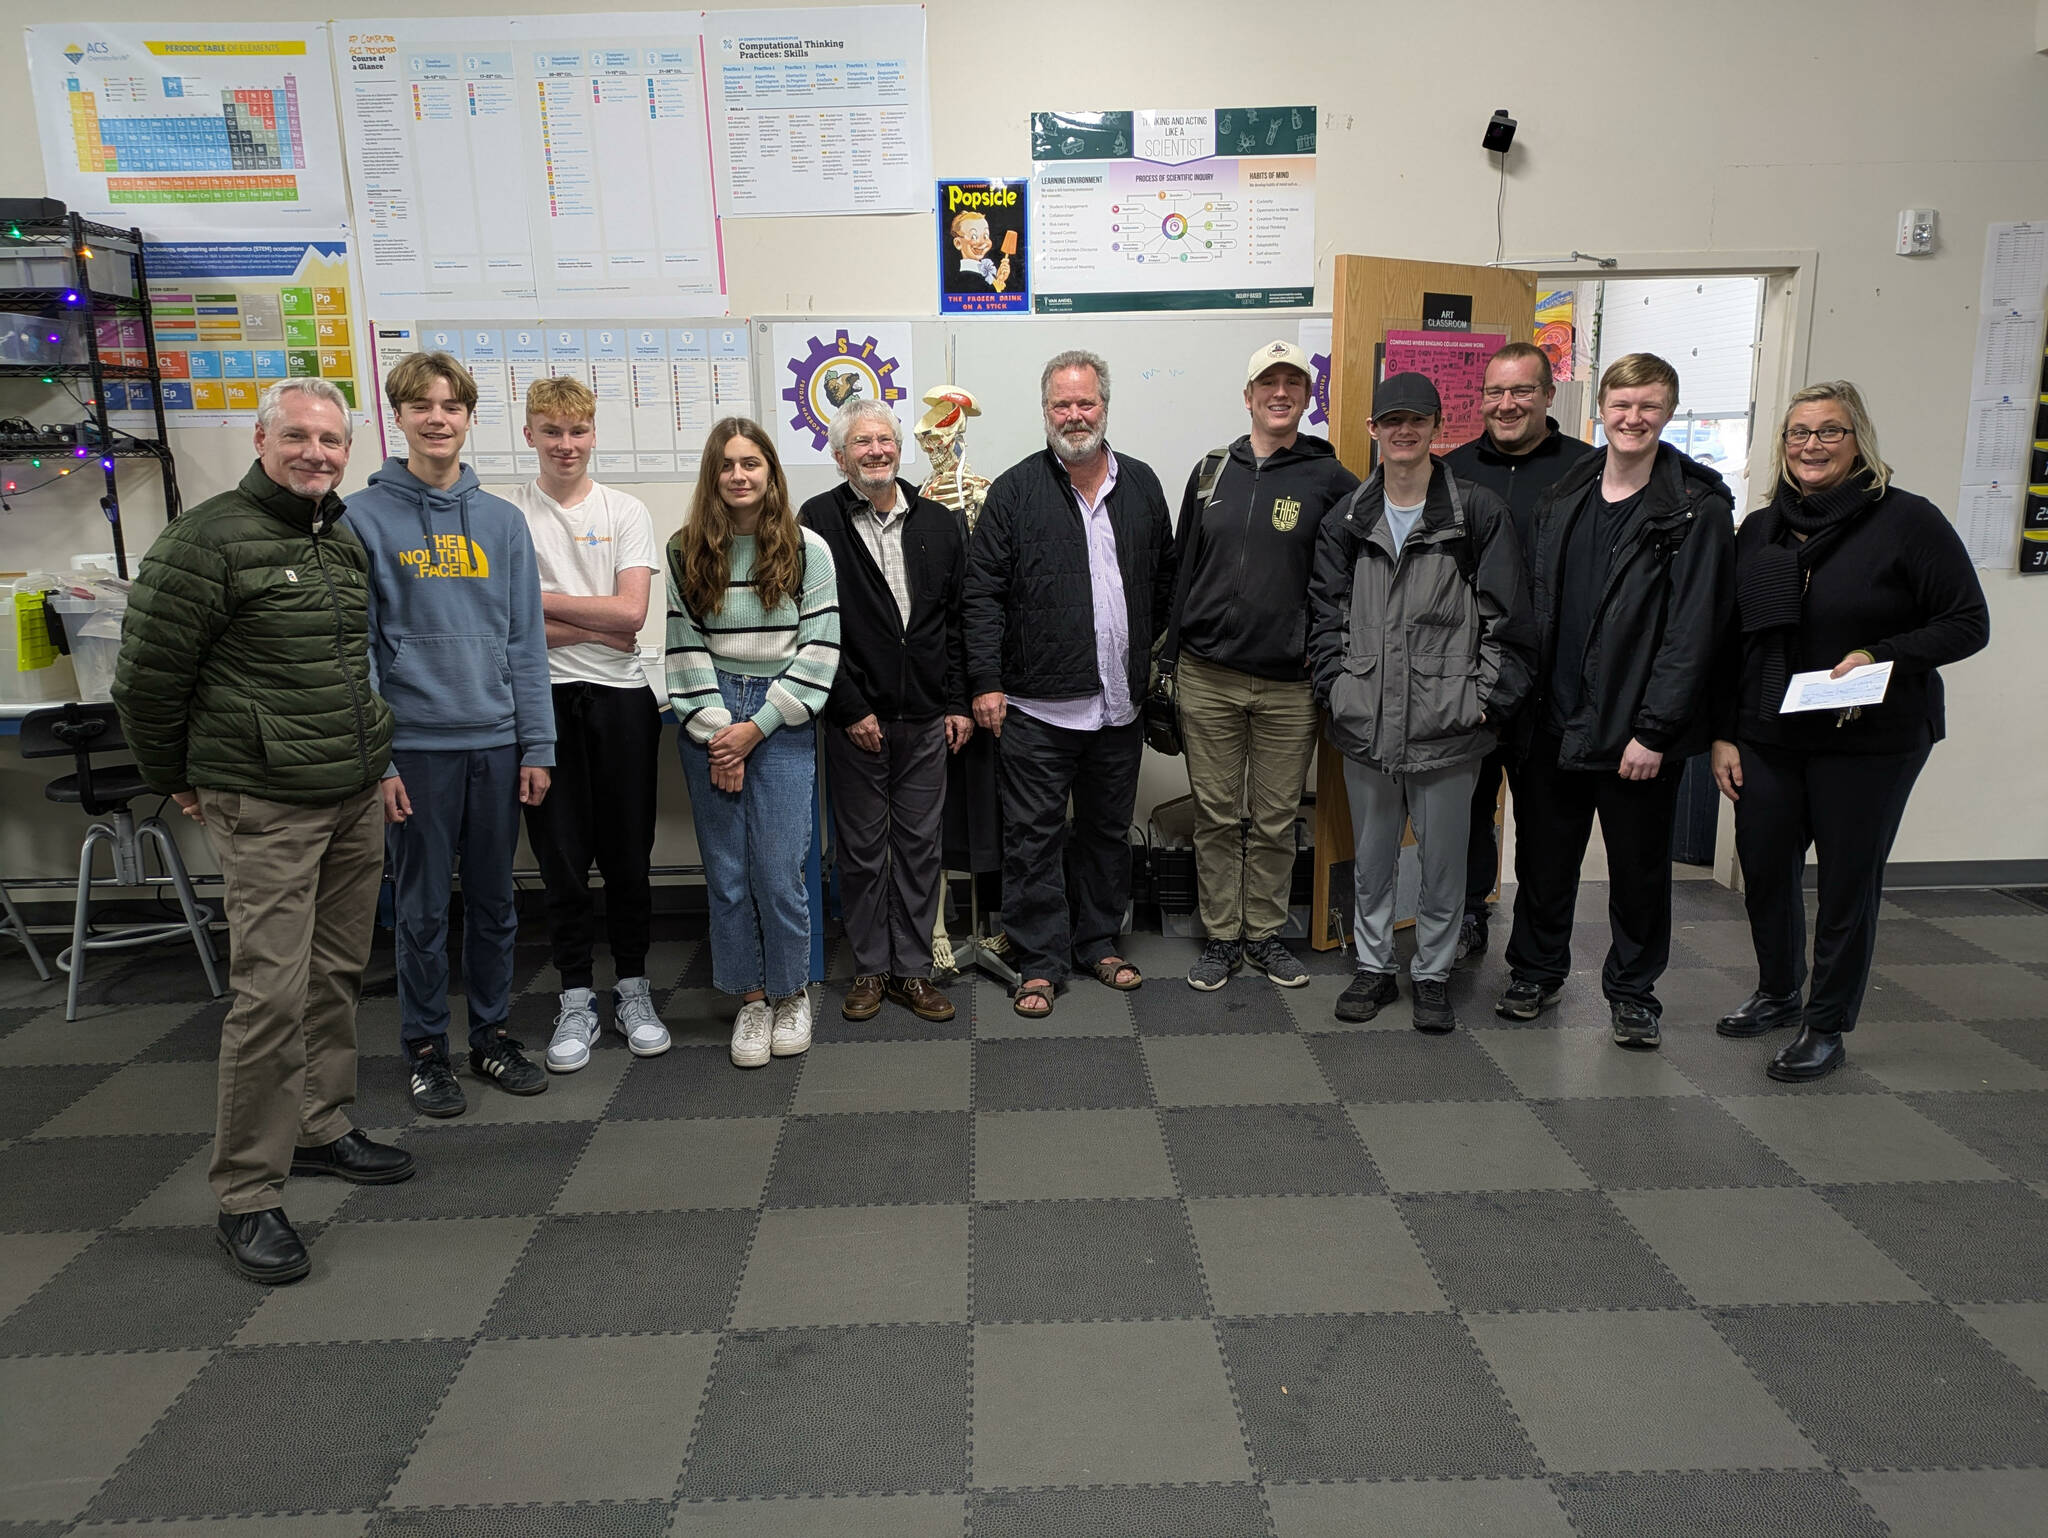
[[1677, 131]]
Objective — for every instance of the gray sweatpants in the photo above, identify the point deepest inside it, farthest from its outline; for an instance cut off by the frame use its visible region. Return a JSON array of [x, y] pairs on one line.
[[1438, 805]]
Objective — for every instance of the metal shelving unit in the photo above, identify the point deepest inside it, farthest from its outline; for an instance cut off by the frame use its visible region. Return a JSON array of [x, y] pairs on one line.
[[84, 304]]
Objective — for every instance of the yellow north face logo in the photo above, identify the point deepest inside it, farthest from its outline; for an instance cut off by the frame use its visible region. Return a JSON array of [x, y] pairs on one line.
[[1286, 513], [451, 556]]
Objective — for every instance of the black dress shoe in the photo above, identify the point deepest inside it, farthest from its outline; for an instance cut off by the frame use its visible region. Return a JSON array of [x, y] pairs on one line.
[[1759, 1013], [263, 1245], [355, 1158], [1814, 1055]]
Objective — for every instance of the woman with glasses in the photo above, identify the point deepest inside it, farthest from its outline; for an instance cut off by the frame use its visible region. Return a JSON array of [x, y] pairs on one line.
[[1841, 569]]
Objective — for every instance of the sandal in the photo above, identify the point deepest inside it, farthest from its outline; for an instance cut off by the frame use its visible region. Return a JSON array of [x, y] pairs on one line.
[[1110, 968], [1032, 991]]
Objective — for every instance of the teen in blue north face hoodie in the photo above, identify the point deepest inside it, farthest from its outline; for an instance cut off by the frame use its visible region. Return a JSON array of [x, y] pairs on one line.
[[457, 640], [458, 648]]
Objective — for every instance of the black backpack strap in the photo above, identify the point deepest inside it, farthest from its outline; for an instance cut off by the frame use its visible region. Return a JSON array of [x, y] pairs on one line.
[[1210, 476], [1463, 549]]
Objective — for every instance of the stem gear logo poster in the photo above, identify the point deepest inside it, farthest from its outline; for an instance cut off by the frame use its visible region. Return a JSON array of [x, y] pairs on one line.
[[826, 369], [982, 260]]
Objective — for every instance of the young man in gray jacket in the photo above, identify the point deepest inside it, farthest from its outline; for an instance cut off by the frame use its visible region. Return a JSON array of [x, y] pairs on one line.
[[1419, 643]]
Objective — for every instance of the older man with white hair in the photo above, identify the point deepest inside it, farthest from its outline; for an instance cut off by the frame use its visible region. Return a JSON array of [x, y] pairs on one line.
[[898, 704], [1069, 580], [244, 691]]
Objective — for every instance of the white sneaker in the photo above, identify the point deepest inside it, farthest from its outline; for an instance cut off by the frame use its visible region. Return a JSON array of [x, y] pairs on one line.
[[575, 1030], [750, 1030], [792, 1032], [634, 1018]]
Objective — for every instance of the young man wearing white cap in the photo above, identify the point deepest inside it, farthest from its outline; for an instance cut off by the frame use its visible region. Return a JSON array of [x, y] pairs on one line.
[[1238, 644]]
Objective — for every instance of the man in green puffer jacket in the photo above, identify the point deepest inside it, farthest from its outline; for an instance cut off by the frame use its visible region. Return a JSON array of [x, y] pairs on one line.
[[244, 692]]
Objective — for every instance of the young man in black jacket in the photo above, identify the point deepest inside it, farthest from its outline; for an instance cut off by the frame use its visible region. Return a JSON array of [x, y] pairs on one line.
[[1069, 577], [1633, 584], [898, 704], [1245, 545], [1518, 457]]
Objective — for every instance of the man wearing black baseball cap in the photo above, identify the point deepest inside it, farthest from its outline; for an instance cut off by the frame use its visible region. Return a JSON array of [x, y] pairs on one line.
[[1418, 645]]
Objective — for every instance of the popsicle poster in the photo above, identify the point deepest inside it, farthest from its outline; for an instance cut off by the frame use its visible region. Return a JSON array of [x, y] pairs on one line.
[[982, 263]]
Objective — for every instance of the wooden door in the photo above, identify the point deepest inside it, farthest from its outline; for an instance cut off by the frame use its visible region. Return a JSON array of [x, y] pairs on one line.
[[1375, 295]]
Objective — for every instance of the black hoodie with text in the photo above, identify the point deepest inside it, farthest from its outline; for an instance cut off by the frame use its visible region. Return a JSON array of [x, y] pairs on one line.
[[1246, 557]]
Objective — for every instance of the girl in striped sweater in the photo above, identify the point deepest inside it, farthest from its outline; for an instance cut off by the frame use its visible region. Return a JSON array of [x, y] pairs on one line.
[[753, 643]]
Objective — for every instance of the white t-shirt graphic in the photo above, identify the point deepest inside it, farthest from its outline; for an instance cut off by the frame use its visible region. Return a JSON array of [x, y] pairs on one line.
[[581, 550]]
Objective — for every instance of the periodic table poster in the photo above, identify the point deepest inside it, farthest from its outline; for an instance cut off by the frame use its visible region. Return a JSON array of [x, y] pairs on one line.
[[190, 130]]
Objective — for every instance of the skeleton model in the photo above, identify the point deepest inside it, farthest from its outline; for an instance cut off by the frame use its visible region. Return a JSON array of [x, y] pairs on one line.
[[942, 434]]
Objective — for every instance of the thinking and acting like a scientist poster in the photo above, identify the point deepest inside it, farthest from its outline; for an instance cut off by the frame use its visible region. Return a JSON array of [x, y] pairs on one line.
[[982, 228]]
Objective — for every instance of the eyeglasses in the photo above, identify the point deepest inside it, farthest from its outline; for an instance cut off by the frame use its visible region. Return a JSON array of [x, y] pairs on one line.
[[1522, 392], [1831, 435]]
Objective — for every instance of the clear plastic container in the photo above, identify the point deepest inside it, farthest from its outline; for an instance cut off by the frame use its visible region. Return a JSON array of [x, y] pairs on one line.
[[95, 651], [92, 628]]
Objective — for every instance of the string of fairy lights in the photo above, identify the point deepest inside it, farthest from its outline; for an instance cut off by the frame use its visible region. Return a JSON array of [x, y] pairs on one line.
[[10, 487]]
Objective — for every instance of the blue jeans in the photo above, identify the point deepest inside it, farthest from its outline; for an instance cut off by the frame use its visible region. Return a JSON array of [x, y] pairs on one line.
[[754, 845], [465, 804]]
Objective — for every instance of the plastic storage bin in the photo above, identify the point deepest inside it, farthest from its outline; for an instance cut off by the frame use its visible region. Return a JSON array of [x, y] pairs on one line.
[[48, 685], [92, 628]]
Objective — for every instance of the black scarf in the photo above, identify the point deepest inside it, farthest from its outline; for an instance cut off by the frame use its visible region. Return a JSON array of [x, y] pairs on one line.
[[1770, 586]]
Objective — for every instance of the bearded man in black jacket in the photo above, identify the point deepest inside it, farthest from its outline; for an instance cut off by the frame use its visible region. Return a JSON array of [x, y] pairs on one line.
[[1069, 576], [1633, 582]]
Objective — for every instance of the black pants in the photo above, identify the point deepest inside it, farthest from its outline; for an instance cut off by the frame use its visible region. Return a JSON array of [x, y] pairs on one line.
[[886, 808], [1847, 806], [599, 806], [1064, 893], [1482, 847], [1554, 812]]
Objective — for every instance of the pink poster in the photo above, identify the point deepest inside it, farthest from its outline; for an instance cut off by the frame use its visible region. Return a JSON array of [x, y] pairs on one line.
[[1455, 362]]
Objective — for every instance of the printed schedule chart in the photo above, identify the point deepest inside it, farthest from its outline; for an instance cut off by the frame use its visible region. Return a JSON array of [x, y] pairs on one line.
[[659, 388], [552, 164]]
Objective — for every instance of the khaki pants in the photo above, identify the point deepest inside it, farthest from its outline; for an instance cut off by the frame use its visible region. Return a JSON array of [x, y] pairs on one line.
[[1249, 742], [301, 904]]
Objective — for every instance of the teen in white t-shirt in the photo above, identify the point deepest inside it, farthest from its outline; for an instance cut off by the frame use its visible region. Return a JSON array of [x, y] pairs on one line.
[[597, 557], [583, 550]]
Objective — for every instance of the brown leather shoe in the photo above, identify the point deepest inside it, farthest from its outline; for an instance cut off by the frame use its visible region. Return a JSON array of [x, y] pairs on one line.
[[864, 998], [921, 998]]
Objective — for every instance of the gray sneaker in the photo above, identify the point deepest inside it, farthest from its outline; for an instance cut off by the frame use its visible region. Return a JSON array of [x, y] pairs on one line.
[[634, 1018], [575, 1030], [1213, 967], [1277, 962], [1635, 1025]]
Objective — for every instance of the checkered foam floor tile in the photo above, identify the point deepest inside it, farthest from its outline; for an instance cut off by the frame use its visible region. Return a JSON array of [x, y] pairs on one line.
[[1167, 1263]]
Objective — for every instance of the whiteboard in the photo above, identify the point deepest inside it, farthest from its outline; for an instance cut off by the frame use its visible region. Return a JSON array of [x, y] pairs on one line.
[[1176, 382]]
